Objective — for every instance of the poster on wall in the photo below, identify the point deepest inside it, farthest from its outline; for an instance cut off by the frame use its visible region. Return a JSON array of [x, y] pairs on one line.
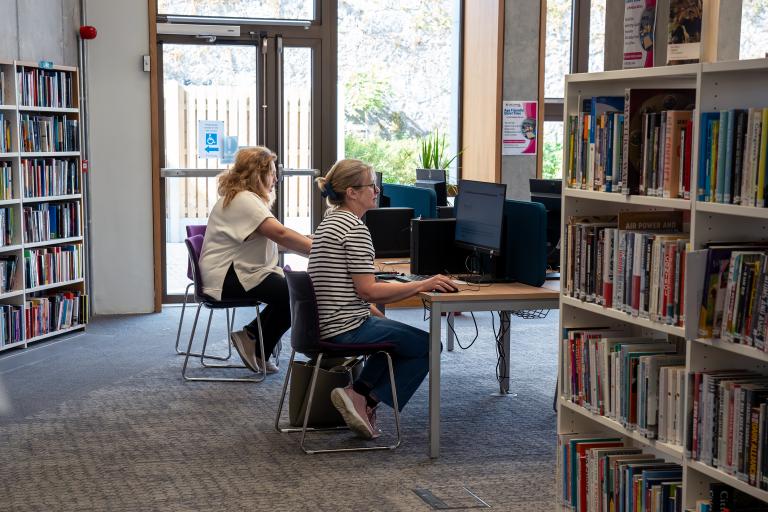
[[518, 129], [639, 33], [209, 135]]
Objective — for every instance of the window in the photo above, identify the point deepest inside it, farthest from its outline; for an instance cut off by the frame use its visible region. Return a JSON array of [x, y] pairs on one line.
[[396, 69], [597, 36], [557, 64], [575, 43], [272, 9], [754, 37]]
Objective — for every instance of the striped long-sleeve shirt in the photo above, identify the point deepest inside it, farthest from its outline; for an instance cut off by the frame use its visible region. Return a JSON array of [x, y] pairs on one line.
[[341, 247]]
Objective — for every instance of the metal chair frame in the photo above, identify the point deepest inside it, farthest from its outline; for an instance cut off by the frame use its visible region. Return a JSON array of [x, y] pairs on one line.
[[304, 429], [212, 304], [181, 322]]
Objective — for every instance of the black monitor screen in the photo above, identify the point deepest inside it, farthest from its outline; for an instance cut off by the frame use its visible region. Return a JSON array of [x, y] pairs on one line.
[[379, 184], [549, 193], [430, 175], [390, 230], [479, 215]]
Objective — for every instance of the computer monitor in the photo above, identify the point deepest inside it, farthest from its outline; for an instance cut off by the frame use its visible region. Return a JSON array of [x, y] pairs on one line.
[[379, 184], [431, 175], [549, 193], [440, 188], [479, 216], [390, 231], [436, 180]]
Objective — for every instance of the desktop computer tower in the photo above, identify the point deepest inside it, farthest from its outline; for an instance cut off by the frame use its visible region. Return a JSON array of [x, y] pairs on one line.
[[433, 250]]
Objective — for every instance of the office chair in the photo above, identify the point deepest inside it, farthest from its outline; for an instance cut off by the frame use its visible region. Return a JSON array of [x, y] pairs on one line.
[[194, 245], [192, 230], [305, 339]]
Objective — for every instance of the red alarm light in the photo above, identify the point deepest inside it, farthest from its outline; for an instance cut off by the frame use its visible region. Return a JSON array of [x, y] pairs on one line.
[[88, 32]]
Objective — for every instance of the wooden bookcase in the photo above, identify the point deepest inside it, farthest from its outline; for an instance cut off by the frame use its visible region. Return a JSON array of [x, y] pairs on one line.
[[719, 86], [30, 204]]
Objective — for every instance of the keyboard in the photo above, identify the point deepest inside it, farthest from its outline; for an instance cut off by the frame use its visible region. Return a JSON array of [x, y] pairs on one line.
[[408, 278]]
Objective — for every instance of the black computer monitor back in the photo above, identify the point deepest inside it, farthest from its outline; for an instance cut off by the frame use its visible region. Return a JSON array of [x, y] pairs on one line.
[[433, 250], [440, 188], [549, 193], [390, 231], [380, 184]]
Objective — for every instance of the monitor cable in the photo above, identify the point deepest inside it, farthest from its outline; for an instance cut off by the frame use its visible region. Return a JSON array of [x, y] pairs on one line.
[[427, 316]]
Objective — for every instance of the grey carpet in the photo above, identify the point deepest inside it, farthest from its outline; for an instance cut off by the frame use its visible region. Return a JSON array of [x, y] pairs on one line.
[[103, 421]]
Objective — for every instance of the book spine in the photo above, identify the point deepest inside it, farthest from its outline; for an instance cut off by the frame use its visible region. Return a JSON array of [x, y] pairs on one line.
[[760, 199]]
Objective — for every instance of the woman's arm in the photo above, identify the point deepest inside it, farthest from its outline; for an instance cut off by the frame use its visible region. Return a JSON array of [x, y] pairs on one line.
[[281, 235], [382, 292]]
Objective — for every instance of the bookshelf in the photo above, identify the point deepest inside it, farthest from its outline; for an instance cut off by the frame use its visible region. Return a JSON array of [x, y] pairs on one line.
[[41, 195], [718, 87]]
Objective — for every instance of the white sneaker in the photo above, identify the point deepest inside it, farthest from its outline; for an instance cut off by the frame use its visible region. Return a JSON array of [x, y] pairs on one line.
[[271, 367]]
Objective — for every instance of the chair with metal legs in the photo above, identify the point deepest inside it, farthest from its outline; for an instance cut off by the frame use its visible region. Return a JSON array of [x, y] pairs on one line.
[[192, 230], [305, 339], [194, 246]]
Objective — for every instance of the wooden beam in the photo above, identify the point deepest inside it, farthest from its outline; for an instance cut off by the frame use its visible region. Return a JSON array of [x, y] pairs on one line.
[[482, 74], [154, 105]]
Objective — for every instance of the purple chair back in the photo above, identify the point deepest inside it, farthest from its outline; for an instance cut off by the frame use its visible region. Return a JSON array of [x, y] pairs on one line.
[[305, 323], [194, 248], [192, 230]]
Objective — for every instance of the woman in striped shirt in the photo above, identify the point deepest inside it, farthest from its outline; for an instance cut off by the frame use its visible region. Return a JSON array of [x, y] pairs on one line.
[[342, 271]]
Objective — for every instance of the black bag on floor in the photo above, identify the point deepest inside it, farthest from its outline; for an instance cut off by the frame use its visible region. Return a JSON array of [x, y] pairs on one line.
[[333, 373]]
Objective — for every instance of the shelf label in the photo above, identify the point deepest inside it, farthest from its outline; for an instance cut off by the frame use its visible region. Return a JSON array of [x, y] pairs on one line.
[[209, 135], [45, 64]]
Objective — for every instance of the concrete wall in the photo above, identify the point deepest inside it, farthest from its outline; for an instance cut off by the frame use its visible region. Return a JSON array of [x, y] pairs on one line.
[[520, 82], [121, 176], [35, 30]]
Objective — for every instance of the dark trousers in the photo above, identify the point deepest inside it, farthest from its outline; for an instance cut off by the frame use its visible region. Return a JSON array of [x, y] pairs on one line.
[[275, 317]]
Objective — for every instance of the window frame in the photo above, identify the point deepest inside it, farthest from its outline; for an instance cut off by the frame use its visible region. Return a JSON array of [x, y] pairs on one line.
[[552, 109]]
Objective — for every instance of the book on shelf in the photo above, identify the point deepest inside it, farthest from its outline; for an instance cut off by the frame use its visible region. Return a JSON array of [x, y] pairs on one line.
[[602, 473], [639, 33], [734, 302], [638, 146], [2, 87], [634, 263], [724, 497], [10, 324], [6, 145], [732, 166], [684, 31]]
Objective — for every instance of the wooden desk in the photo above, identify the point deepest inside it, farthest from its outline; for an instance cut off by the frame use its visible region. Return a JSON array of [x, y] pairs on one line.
[[504, 298]]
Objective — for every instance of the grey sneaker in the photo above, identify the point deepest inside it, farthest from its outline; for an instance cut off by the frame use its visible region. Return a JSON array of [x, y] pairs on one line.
[[246, 348], [352, 407]]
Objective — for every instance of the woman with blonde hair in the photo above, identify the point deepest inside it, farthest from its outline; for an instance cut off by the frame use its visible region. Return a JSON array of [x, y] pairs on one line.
[[239, 256], [342, 271]]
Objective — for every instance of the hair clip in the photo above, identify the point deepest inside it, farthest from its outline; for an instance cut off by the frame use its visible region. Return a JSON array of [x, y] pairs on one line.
[[329, 192]]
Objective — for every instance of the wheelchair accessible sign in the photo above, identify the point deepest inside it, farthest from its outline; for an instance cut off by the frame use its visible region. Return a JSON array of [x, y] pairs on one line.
[[209, 138]]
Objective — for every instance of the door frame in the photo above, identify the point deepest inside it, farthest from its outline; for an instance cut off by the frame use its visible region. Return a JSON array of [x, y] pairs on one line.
[[323, 30]]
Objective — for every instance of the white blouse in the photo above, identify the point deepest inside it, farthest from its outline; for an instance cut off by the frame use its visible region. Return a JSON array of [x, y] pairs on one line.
[[231, 238]]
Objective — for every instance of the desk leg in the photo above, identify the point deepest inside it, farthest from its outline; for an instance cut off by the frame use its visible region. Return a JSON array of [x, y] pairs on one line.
[[449, 331], [504, 321], [434, 381]]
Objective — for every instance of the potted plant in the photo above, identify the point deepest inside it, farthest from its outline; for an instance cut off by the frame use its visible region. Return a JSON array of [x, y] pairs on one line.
[[432, 155]]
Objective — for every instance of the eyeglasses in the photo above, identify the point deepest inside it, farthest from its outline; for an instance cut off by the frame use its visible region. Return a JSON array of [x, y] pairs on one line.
[[372, 185]]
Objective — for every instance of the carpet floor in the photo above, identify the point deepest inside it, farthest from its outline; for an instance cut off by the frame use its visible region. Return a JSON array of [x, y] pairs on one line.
[[103, 421]]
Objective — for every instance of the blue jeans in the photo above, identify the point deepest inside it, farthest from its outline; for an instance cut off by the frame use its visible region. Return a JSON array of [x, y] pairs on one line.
[[410, 358]]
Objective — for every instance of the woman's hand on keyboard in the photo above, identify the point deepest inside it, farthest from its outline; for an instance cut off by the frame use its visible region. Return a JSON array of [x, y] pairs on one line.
[[438, 283]]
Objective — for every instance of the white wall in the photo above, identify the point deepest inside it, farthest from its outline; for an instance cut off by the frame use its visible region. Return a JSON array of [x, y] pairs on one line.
[[120, 165]]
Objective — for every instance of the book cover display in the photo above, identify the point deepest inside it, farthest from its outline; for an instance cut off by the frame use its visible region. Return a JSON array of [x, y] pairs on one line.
[[639, 33], [684, 34]]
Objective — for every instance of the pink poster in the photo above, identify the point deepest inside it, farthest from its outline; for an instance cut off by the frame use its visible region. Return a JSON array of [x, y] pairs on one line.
[[518, 129]]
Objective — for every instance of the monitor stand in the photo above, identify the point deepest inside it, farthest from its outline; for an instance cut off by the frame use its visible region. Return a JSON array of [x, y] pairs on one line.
[[477, 274]]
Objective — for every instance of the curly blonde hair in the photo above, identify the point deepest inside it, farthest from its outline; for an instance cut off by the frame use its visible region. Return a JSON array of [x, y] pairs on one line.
[[251, 171], [343, 174]]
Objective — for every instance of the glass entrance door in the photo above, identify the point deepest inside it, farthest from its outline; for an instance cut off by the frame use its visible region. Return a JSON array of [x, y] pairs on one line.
[[216, 99]]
